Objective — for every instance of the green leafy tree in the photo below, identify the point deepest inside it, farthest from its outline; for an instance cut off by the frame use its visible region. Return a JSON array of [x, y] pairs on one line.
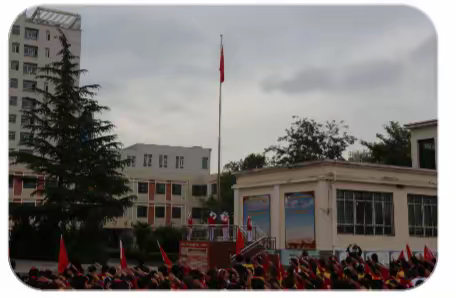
[[307, 140], [394, 148], [252, 161], [74, 151]]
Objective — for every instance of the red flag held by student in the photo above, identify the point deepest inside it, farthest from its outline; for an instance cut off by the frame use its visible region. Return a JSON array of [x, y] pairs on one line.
[[239, 241], [123, 260], [409, 252], [166, 260], [222, 66], [428, 255], [63, 258], [266, 263], [401, 256]]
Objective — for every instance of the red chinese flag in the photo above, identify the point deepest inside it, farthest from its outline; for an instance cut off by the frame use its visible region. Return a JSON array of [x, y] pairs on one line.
[[123, 260], [428, 255], [222, 66], [385, 273], [166, 260], [367, 269], [63, 258], [401, 256], [409, 252], [239, 241]]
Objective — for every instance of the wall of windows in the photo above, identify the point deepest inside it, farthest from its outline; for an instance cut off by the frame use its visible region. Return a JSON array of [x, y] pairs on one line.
[[422, 215], [365, 213]]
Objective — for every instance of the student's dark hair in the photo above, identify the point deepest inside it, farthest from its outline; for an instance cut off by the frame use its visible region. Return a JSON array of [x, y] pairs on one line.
[[374, 258], [247, 259], [304, 253], [104, 269], [92, 269], [259, 271], [78, 282], [419, 282], [112, 271]]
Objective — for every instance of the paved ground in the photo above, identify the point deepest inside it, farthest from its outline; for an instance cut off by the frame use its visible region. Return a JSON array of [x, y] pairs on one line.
[[23, 266]]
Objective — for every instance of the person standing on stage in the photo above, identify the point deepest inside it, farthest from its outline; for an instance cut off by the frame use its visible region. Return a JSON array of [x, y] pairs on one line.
[[249, 228], [226, 223], [211, 222]]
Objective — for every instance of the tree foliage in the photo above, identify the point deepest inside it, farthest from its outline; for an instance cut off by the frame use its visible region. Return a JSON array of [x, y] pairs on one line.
[[394, 148], [74, 151], [307, 140], [251, 161]]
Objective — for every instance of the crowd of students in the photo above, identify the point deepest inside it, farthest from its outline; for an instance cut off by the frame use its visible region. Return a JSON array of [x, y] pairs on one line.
[[260, 273]]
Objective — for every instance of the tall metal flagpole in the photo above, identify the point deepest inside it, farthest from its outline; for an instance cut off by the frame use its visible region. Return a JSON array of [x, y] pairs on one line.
[[219, 131]]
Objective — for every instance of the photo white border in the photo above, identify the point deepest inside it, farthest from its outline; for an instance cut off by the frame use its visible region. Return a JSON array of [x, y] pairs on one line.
[[441, 14]]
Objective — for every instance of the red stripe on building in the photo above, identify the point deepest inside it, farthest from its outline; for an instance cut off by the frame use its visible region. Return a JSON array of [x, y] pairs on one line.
[[168, 191], [17, 185], [168, 214], [151, 214], [40, 186], [151, 190]]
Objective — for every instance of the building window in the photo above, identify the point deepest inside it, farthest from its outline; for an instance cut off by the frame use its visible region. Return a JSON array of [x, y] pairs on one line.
[[147, 160], [160, 188], [422, 215], [177, 162], [165, 161], [141, 212], [47, 52], [31, 33], [176, 212], [365, 213], [197, 213], [214, 188], [46, 87], [13, 83], [29, 182], [159, 212], [30, 68], [131, 161], [12, 135], [199, 190], [16, 30], [28, 103], [205, 163], [29, 85], [30, 51], [143, 187], [160, 161], [426, 153], [14, 65], [12, 118], [25, 120], [181, 162], [48, 35], [15, 47], [13, 101], [177, 189]]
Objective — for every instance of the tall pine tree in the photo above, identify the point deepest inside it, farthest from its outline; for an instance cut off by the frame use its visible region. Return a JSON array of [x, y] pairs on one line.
[[74, 151]]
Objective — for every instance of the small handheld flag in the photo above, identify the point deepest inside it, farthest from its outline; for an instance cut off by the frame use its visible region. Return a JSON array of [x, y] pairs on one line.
[[123, 260], [428, 255], [222, 65], [63, 257], [165, 258], [409, 252]]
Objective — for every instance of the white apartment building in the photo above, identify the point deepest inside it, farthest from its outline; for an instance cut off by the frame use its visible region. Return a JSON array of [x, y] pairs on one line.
[[423, 138], [34, 42], [169, 181]]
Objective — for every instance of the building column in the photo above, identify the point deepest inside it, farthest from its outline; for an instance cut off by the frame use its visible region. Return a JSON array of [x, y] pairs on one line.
[[151, 214], [168, 214], [168, 191], [151, 190], [236, 210], [276, 221], [17, 185]]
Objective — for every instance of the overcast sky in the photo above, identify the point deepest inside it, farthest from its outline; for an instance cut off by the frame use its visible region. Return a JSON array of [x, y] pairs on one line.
[[158, 68]]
